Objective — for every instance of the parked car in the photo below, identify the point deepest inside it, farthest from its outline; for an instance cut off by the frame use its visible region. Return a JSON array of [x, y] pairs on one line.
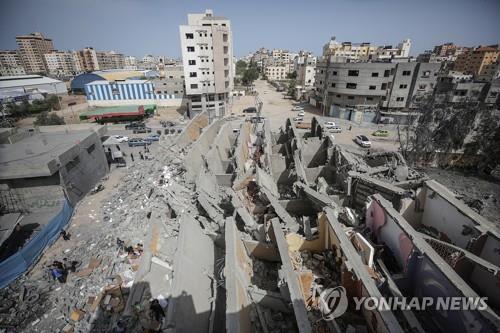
[[383, 133], [363, 141], [120, 138], [153, 137], [297, 108], [330, 124], [335, 129], [298, 119], [250, 110], [301, 114], [133, 125], [143, 129], [138, 142]]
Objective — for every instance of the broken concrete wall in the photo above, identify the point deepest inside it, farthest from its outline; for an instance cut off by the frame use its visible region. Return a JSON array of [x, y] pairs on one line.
[[195, 157], [312, 152], [192, 301], [441, 210], [363, 186], [82, 167], [192, 131], [426, 273], [241, 152], [238, 271], [218, 156], [265, 180]]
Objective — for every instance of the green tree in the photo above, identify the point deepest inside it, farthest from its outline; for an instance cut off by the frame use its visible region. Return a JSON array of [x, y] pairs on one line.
[[291, 88], [46, 119], [251, 74], [241, 67], [292, 75]]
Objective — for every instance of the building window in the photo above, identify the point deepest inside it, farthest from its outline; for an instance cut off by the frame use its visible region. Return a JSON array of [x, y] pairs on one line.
[[224, 37], [351, 85], [189, 36], [334, 73], [226, 61], [226, 49], [353, 73], [384, 86], [403, 86], [369, 98], [400, 99], [192, 62], [406, 73], [372, 87], [350, 97], [190, 48], [193, 74], [426, 74], [176, 91], [387, 73], [375, 74], [194, 86], [333, 85], [158, 92], [338, 96]]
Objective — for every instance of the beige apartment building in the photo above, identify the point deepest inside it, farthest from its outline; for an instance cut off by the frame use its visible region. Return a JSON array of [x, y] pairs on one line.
[[274, 73], [88, 60], [110, 60], [63, 63], [477, 61], [32, 47], [10, 63]]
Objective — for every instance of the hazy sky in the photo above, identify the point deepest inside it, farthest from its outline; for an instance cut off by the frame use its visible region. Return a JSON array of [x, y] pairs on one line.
[[138, 27]]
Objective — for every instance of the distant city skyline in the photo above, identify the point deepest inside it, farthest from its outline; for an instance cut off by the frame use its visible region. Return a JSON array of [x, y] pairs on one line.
[[138, 28]]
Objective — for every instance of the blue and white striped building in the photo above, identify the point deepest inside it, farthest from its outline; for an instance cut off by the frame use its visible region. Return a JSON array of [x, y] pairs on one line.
[[129, 90]]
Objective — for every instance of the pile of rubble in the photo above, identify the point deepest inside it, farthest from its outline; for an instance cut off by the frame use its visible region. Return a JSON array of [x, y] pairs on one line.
[[95, 295]]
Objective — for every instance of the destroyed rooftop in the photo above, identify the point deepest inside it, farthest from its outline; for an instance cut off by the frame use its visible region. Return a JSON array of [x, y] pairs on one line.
[[244, 230]]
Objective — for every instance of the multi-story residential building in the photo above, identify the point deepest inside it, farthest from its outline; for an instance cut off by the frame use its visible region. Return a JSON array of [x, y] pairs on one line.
[[490, 72], [368, 85], [88, 60], [476, 61], [32, 47], [305, 67], [281, 56], [130, 62], [10, 63], [457, 88], [275, 73], [449, 50], [260, 57], [63, 63], [348, 51], [429, 56], [110, 60], [207, 55], [172, 82]]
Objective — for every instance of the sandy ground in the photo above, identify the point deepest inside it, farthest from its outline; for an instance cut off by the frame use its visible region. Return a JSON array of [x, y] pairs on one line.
[[481, 193]]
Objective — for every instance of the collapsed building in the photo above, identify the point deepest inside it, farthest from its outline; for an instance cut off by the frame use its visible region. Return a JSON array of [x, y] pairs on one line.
[[43, 175], [247, 230], [366, 222]]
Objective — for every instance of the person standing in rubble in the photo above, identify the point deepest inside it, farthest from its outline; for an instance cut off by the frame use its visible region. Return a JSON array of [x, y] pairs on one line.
[[156, 311], [132, 156], [142, 156]]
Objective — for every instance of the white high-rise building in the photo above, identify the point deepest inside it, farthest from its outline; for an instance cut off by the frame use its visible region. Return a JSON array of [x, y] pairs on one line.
[[62, 63], [207, 56]]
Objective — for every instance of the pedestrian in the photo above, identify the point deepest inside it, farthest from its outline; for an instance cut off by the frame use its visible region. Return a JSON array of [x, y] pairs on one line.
[[57, 274], [147, 149], [157, 310], [350, 127], [142, 156], [132, 156], [66, 236]]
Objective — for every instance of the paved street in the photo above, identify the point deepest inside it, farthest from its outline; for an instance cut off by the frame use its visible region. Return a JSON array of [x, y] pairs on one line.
[[277, 109]]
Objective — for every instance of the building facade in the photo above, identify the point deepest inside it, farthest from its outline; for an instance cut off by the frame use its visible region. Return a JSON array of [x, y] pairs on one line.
[[88, 59], [63, 63], [207, 55], [372, 85], [304, 65], [32, 47], [10, 63], [110, 60], [347, 51], [476, 61], [129, 92]]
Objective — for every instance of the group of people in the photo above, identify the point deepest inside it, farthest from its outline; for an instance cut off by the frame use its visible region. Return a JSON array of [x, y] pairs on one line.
[[59, 270], [141, 155]]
